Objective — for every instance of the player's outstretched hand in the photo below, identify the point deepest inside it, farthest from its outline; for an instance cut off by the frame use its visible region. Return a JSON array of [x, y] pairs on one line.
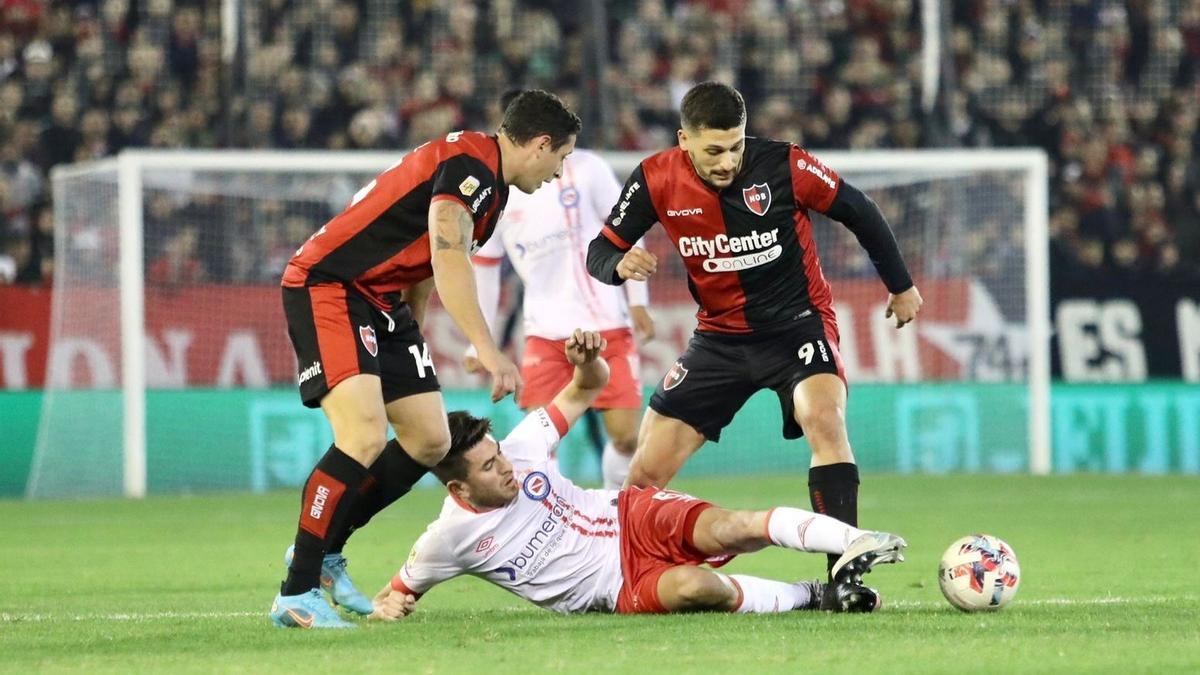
[[584, 346], [637, 264], [393, 606], [506, 377], [904, 306]]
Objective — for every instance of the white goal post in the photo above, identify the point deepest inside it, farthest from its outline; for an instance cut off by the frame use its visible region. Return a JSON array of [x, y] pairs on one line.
[[134, 170]]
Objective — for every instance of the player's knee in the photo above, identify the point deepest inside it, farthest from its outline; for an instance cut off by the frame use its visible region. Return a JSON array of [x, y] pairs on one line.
[[734, 531], [641, 475], [625, 445], [431, 447], [702, 590], [363, 441], [824, 423]]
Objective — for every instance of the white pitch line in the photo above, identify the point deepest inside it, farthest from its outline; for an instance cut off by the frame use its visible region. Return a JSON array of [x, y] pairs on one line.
[[903, 604], [131, 616], [1067, 602]]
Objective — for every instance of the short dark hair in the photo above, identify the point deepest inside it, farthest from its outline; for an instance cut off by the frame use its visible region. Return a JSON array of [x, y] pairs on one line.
[[465, 431], [712, 105], [508, 97], [535, 112]]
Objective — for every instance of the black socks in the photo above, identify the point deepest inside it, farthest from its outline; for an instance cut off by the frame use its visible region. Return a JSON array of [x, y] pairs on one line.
[[329, 496], [391, 477], [833, 491]]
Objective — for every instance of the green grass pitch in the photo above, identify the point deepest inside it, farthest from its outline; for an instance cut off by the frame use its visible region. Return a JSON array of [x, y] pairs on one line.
[[183, 584]]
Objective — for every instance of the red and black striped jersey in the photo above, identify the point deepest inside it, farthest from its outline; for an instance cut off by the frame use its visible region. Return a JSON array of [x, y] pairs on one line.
[[749, 250], [380, 243]]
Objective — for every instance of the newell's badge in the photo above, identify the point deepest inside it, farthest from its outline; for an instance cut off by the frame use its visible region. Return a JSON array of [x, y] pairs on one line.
[[674, 376], [367, 335], [758, 198], [469, 185]]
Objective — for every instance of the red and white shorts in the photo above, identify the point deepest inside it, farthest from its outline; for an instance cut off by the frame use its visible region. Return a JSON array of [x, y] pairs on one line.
[[656, 535], [546, 370]]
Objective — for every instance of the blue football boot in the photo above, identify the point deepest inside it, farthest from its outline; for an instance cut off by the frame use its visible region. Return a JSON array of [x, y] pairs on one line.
[[335, 581], [307, 610]]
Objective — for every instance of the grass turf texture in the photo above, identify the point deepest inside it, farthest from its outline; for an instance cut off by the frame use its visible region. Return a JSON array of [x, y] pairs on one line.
[[183, 584]]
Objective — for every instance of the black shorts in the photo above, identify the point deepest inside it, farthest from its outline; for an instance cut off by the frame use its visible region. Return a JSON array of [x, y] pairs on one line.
[[337, 334], [717, 374]]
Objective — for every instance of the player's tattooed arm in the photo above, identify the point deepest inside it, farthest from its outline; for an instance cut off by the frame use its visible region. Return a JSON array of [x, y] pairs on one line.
[[450, 232], [452, 226]]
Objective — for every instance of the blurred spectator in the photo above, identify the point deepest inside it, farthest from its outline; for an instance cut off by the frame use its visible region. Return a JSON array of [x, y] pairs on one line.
[[1108, 89]]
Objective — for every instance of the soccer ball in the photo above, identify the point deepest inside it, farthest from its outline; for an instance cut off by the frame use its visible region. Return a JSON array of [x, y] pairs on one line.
[[979, 573]]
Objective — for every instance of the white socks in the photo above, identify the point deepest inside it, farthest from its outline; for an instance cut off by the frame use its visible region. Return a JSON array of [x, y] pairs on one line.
[[807, 531], [614, 467], [764, 596]]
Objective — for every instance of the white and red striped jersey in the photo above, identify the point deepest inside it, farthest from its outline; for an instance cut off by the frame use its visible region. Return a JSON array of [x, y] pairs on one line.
[[556, 545], [546, 236]]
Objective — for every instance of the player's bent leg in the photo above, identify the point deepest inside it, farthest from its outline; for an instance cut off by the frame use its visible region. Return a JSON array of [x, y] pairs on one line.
[[694, 589], [355, 410], [688, 588], [420, 422], [723, 532], [664, 444], [820, 410], [420, 425], [720, 532], [357, 416], [621, 425]]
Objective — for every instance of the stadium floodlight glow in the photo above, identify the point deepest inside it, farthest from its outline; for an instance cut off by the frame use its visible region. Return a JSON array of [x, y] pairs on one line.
[[973, 225]]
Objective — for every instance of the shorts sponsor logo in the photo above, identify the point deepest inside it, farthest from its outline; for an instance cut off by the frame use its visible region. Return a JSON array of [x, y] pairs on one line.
[[668, 495], [367, 335], [569, 197], [468, 186], [674, 376], [310, 372], [757, 198], [536, 486], [685, 212]]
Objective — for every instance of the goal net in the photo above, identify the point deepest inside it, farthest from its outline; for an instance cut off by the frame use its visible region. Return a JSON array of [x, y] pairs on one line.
[[170, 369]]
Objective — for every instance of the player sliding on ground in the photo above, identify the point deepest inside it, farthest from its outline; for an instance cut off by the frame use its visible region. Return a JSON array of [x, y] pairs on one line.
[[511, 518]]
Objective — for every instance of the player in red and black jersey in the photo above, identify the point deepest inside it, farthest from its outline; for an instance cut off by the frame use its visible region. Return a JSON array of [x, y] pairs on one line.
[[737, 210], [354, 295]]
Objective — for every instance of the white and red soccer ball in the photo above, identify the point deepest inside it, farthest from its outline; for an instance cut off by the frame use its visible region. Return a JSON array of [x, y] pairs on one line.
[[979, 573]]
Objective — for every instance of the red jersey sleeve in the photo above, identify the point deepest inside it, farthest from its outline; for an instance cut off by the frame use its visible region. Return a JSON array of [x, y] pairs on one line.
[[814, 184]]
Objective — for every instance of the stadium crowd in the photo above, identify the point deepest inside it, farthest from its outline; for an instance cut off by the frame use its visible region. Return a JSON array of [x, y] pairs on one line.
[[1109, 89]]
